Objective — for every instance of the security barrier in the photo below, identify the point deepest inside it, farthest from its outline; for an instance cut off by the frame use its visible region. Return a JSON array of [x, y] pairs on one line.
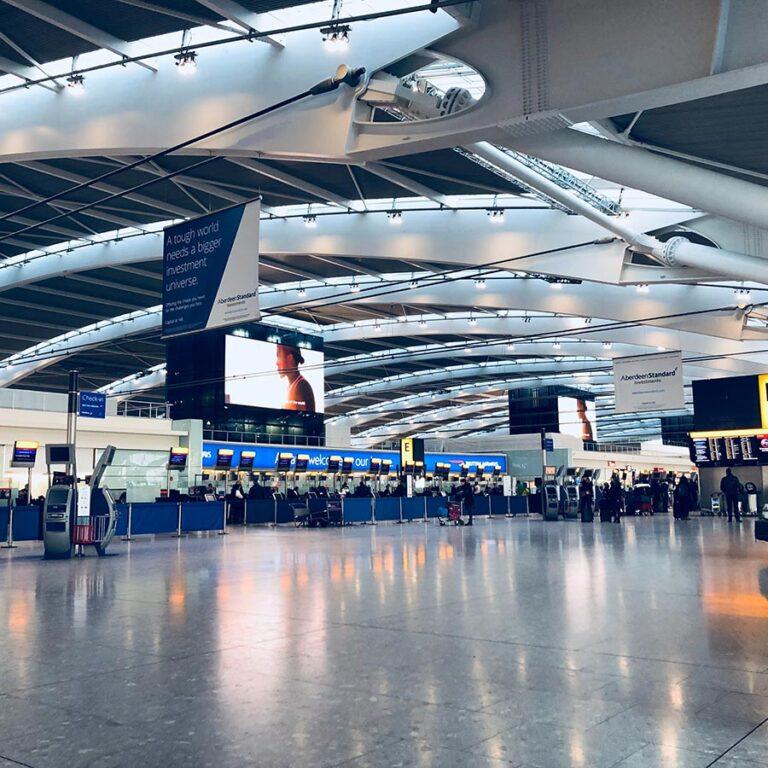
[[152, 518]]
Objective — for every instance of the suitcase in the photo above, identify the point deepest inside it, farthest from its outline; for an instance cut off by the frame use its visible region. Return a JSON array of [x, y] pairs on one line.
[[761, 530], [587, 515]]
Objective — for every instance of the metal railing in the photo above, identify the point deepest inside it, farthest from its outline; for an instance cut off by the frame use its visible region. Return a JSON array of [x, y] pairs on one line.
[[633, 448], [143, 409], [269, 438]]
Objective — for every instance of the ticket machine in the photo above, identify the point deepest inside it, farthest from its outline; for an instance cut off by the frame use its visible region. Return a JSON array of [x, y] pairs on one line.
[[750, 490], [57, 522], [551, 490]]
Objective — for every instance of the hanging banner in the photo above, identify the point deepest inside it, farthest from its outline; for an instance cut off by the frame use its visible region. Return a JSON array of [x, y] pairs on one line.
[[648, 382], [211, 271]]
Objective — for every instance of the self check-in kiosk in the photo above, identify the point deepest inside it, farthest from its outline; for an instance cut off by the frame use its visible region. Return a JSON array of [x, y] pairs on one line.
[[69, 522], [551, 508]]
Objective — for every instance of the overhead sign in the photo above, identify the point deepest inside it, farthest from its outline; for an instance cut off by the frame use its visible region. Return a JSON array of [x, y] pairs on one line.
[[265, 457], [648, 382], [211, 271], [93, 405]]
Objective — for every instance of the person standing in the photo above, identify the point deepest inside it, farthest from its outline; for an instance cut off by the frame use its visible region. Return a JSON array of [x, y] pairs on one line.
[[468, 497], [731, 489], [586, 496], [682, 499], [615, 495]]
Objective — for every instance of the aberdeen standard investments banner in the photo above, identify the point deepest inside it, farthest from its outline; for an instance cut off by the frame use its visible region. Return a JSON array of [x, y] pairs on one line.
[[211, 271], [648, 382]]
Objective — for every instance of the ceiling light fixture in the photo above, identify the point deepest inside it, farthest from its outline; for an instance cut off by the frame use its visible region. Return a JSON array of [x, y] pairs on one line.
[[642, 288], [480, 284], [395, 218], [76, 84], [310, 221], [186, 61], [336, 37], [496, 215]]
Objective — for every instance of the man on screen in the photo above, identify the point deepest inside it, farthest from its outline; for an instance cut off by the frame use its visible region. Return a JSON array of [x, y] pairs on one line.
[[300, 396]]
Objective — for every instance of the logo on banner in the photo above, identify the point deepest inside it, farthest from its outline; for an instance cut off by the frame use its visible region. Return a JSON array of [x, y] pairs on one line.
[[649, 382], [211, 271]]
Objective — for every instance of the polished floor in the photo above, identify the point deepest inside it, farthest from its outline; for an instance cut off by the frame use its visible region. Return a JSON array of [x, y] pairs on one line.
[[513, 643]]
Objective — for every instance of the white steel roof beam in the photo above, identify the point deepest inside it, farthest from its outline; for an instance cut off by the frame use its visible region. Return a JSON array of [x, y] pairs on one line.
[[294, 181], [239, 15], [395, 177], [77, 27]]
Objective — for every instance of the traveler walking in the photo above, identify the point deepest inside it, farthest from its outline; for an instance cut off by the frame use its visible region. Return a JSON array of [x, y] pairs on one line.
[[731, 488]]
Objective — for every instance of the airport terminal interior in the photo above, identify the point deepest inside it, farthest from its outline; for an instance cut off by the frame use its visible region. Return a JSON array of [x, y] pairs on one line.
[[384, 383]]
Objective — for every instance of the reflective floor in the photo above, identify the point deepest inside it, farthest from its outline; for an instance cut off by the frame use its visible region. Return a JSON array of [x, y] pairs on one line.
[[515, 642]]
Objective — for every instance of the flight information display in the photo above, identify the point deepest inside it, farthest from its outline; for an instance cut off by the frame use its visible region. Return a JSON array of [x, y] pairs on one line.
[[729, 450]]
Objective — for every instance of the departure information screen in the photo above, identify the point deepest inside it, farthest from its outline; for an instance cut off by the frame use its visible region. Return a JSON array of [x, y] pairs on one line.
[[729, 450]]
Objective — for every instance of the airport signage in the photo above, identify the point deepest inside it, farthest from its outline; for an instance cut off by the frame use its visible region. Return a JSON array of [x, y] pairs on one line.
[[648, 382], [317, 458], [211, 271], [93, 405]]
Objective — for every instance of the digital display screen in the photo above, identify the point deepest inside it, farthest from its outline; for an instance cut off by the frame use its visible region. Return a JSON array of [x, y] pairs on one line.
[[223, 458], [178, 458], [59, 454], [724, 404], [729, 450], [386, 466], [284, 461], [346, 464], [246, 460], [264, 374], [24, 453], [576, 416], [375, 466], [302, 462], [334, 462]]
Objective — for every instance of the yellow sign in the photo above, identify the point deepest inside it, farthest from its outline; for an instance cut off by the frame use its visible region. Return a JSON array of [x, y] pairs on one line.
[[762, 383]]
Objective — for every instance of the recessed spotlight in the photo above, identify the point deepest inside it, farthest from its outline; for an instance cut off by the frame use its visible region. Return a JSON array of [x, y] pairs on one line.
[[642, 288]]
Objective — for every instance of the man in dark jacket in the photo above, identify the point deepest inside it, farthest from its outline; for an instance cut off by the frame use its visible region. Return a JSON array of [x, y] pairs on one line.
[[731, 488]]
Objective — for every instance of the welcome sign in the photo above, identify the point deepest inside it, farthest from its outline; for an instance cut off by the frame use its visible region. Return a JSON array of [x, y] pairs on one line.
[[648, 382], [211, 271]]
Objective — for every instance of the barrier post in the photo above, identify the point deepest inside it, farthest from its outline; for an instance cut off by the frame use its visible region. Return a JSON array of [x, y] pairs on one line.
[[373, 510], [225, 507], [342, 510], [489, 506], [509, 506], [245, 512], [401, 511], [178, 519], [127, 536], [9, 538], [425, 509], [275, 508]]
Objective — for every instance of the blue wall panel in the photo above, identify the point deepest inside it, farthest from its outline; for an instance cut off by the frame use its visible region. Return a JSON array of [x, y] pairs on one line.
[[154, 518], [357, 510], [202, 515]]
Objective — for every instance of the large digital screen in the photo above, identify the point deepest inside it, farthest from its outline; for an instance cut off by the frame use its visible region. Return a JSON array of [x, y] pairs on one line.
[[729, 450], [263, 374], [730, 403], [24, 453], [576, 416]]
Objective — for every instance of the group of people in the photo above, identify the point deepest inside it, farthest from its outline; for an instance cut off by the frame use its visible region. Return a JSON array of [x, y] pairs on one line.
[[613, 500]]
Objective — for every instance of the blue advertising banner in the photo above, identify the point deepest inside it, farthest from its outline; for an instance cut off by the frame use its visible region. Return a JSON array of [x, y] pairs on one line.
[[93, 405], [266, 457], [211, 271]]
